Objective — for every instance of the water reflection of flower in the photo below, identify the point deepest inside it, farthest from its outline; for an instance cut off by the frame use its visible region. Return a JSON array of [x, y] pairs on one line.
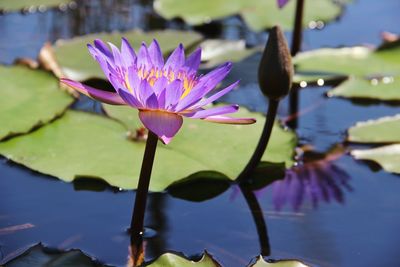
[[312, 182]]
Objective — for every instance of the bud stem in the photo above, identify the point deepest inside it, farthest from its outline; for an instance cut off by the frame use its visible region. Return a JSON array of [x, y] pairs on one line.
[[298, 28], [245, 175]]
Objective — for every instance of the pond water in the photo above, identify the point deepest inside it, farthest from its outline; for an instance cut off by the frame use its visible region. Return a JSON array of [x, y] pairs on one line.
[[357, 227]]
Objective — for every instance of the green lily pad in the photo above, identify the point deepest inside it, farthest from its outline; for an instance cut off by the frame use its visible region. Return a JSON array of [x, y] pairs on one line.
[[39, 256], [373, 74], [173, 260], [350, 61], [258, 14], [77, 64], [382, 88], [382, 130], [16, 5], [215, 51], [28, 99], [386, 156], [197, 137], [87, 145], [282, 263]]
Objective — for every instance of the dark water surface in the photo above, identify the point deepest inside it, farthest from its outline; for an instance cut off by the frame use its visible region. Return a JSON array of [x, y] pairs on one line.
[[358, 227]]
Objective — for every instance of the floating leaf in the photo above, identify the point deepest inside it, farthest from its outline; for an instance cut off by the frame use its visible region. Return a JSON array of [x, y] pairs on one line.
[[173, 260], [28, 98], [282, 263], [382, 88], [356, 61], [77, 64], [86, 145], [373, 74], [215, 52], [386, 156], [382, 130], [16, 5], [197, 138], [39, 256], [258, 14]]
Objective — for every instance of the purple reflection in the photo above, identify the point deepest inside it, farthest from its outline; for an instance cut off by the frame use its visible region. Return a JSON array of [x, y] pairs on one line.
[[312, 182]]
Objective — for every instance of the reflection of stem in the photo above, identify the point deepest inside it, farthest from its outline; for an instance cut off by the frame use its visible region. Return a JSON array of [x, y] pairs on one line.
[[258, 217], [143, 185], [262, 143], [298, 28], [296, 47], [136, 250], [293, 106]]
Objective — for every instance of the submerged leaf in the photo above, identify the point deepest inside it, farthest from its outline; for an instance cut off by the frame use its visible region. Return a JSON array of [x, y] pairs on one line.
[[258, 14], [39, 256], [28, 98], [86, 145]]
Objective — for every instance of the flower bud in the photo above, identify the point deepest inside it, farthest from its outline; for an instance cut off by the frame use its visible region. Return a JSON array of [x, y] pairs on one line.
[[276, 70]]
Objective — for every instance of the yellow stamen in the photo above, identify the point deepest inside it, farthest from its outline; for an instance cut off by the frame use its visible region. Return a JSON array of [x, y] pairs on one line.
[[154, 74]]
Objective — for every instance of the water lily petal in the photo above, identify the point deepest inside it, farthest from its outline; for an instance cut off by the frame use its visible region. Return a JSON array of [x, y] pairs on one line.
[[282, 3], [164, 125], [193, 61], [176, 59], [194, 96], [161, 99], [103, 48], [229, 120], [156, 54], [119, 63], [133, 82], [101, 59], [152, 102], [216, 95], [173, 93], [213, 78], [104, 96], [143, 59], [130, 99], [145, 91], [127, 52], [160, 85], [203, 113], [204, 86]]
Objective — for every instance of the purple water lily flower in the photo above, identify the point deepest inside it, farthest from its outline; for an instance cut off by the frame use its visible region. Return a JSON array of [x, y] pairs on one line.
[[282, 3], [163, 92]]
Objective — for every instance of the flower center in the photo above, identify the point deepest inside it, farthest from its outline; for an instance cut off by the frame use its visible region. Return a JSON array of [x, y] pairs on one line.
[[152, 75]]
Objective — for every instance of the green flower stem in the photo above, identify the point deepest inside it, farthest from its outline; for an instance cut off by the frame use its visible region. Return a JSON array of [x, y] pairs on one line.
[[258, 218], [143, 185], [298, 28], [245, 175]]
